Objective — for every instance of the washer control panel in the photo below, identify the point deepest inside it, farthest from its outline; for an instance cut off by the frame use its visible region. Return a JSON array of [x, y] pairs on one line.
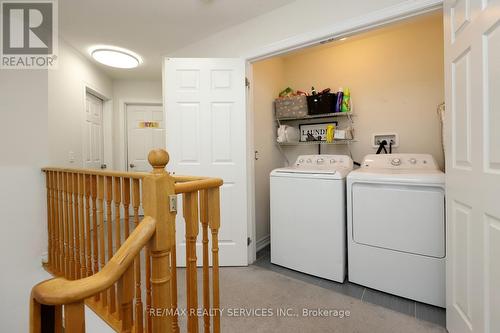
[[323, 161], [400, 161]]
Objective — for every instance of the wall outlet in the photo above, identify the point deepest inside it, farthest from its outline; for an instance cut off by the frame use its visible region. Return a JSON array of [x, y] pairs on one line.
[[71, 157], [389, 137]]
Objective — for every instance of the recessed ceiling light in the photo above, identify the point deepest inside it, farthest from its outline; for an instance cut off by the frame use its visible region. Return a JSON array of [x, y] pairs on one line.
[[115, 56], [342, 39]]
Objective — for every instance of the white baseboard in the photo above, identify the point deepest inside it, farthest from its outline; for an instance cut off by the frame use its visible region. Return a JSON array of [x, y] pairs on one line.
[[263, 242]]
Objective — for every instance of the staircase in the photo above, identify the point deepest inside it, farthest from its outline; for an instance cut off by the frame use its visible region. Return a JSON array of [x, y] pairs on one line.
[[122, 265]]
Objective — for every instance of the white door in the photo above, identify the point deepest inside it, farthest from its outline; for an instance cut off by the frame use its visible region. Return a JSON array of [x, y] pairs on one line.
[[145, 131], [472, 61], [93, 142], [206, 136]]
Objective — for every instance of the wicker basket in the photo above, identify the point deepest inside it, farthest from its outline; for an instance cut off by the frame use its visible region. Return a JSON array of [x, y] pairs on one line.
[[291, 107]]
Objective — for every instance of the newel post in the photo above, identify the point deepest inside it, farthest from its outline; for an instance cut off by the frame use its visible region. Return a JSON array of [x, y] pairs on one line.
[[156, 190]]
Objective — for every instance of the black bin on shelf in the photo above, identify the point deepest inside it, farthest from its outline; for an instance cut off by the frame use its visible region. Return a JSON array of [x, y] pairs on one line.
[[321, 103]]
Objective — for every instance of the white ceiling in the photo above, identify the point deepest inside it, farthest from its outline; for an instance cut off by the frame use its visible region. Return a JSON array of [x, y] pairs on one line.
[[151, 28]]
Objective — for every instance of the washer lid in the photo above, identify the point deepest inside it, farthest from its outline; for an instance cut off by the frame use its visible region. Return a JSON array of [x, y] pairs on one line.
[[316, 172]]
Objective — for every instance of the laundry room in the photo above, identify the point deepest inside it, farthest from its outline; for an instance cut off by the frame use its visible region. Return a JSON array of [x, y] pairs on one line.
[[342, 104], [395, 75]]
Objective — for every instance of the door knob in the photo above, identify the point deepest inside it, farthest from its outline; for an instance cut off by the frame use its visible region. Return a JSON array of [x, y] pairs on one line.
[[132, 165]]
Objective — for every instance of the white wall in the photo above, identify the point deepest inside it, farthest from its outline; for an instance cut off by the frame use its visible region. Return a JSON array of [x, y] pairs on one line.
[[66, 100], [23, 151], [128, 91], [295, 19], [268, 81]]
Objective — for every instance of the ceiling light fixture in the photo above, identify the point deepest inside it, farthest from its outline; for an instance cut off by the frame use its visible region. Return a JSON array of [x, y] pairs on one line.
[[342, 39], [115, 56]]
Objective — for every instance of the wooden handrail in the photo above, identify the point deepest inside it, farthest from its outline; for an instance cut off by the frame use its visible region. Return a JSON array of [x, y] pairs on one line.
[[196, 184], [61, 291], [93, 172]]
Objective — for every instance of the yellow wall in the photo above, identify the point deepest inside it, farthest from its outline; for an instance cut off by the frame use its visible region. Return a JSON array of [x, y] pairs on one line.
[[270, 76], [396, 77]]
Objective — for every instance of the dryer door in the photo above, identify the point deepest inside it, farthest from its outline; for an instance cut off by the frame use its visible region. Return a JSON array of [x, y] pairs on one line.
[[404, 218]]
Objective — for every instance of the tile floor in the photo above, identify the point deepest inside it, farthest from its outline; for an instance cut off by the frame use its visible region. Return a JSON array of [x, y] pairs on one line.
[[411, 308]]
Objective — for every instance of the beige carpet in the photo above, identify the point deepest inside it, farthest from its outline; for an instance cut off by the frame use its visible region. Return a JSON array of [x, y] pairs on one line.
[[251, 288]]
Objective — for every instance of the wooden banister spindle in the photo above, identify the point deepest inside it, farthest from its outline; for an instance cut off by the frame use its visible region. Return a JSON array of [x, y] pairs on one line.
[[49, 216], [81, 214], [95, 232], [147, 268], [61, 223], [50, 219], [117, 196], [190, 210], [136, 202], [156, 190], [66, 224], [126, 206], [58, 319], [117, 199], [74, 317], [71, 227], [109, 221], [78, 264], [57, 244], [102, 253], [214, 222], [173, 260], [88, 229], [203, 196], [125, 299]]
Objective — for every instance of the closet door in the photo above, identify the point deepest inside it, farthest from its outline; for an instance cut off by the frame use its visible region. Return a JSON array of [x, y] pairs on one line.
[[472, 60], [206, 136]]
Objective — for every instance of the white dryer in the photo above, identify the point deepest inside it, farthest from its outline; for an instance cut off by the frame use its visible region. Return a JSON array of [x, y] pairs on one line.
[[396, 226], [308, 215]]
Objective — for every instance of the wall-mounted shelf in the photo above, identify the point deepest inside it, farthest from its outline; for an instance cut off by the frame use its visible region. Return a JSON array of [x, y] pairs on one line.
[[335, 142], [319, 116]]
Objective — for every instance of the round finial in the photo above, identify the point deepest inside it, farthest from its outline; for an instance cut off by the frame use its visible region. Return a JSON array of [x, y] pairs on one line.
[[158, 158]]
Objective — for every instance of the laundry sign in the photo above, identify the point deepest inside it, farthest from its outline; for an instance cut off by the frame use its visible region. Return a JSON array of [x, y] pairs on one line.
[[149, 124], [314, 132]]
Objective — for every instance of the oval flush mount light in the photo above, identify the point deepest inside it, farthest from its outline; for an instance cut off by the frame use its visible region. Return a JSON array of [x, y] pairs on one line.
[[115, 56]]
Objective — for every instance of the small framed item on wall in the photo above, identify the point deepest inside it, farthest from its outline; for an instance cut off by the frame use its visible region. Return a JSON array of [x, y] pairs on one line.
[[315, 132]]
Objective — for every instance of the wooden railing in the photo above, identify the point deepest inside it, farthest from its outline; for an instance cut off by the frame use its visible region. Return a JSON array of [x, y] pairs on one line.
[[104, 257]]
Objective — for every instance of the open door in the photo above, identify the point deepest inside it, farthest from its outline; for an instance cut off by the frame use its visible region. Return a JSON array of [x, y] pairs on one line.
[[472, 62], [206, 136]]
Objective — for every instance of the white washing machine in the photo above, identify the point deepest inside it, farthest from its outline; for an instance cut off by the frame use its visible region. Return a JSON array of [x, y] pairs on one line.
[[308, 215], [396, 226]]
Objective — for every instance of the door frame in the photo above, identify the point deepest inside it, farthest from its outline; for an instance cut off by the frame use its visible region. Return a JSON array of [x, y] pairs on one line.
[[356, 25], [107, 123], [122, 158]]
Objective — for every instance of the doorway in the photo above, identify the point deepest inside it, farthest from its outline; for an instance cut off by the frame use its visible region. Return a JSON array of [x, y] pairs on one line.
[[93, 143], [145, 131], [384, 68]]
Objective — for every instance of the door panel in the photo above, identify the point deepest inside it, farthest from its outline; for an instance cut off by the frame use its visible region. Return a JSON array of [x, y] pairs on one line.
[[206, 136], [491, 55], [93, 137], [145, 131], [472, 53], [410, 229]]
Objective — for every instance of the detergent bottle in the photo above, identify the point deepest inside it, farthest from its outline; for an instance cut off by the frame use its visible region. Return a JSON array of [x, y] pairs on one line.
[[346, 101]]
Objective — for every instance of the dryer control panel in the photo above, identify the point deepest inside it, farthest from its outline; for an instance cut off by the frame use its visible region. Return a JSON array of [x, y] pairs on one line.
[[324, 161], [400, 161]]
